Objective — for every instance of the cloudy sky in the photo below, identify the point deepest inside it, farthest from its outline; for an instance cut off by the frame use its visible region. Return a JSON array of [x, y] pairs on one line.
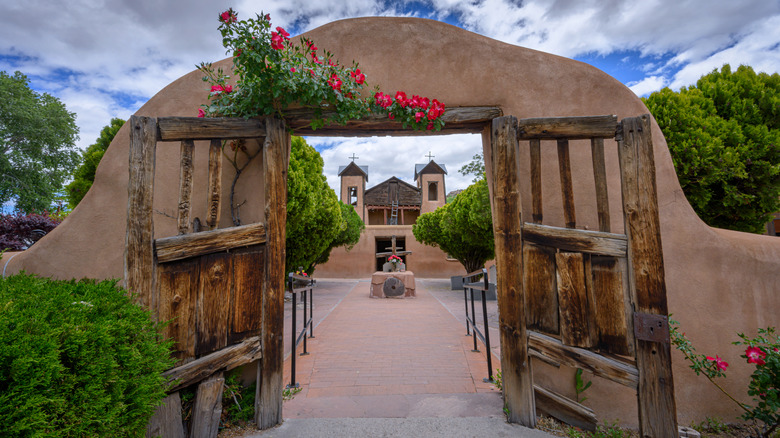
[[105, 58]]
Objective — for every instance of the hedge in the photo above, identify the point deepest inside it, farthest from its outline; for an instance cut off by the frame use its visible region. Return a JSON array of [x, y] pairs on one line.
[[77, 359]]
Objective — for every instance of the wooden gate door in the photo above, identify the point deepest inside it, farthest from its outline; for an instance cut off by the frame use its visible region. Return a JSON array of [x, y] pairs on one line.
[[589, 299], [222, 289]]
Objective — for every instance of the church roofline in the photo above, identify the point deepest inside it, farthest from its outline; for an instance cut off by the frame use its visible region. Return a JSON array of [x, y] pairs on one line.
[[422, 168], [352, 165]]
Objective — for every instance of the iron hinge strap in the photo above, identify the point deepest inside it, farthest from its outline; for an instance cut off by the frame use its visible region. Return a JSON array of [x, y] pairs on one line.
[[651, 327]]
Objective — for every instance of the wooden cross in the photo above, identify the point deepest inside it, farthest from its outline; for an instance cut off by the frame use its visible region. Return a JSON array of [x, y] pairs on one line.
[[430, 157], [353, 157], [393, 250]]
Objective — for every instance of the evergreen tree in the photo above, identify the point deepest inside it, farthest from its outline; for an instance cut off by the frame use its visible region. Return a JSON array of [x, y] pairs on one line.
[[84, 175]]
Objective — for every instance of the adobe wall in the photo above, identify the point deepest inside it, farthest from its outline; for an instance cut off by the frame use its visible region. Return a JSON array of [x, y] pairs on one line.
[[719, 282]]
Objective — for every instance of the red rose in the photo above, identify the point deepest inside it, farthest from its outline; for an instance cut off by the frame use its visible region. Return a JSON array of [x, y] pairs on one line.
[[201, 113], [418, 115]]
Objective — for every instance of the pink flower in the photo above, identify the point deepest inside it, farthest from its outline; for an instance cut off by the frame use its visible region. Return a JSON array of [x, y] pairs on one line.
[[335, 82], [237, 53], [228, 17], [277, 42], [400, 97], [292, 69], [283, 32], [228, 88], [217, 89], [201, 113], [755, 355], [383, 100], [430, 126], [358, 76], [391, 116], [720, 363], [418, 115], [424, 102]]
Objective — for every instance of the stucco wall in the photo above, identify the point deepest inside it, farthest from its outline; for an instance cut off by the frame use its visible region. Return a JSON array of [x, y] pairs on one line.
[[425, 261], [719, 282]]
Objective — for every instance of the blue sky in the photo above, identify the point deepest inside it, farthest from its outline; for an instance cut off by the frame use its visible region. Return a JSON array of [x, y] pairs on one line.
[[105, 58]]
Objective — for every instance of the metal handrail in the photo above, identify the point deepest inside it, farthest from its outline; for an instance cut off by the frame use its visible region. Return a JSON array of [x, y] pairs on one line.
[[307, 319], [475, 332]]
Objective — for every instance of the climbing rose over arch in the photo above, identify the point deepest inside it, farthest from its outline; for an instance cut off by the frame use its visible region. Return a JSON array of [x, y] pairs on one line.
[[272, 73]]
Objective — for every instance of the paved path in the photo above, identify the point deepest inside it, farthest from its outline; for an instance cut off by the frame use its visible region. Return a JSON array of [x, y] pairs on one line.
[[392, 367]]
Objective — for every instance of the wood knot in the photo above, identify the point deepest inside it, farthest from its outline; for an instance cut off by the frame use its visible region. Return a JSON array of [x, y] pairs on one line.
[[176, 299]]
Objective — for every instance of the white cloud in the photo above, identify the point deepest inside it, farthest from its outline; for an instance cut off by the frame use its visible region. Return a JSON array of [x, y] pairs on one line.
[[647, 85], [103, 58]]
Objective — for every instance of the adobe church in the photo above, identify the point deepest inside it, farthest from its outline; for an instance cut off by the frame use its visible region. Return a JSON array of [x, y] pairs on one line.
[[389, 209]]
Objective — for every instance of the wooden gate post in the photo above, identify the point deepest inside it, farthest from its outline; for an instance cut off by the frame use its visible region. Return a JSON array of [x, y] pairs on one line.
[[139, 237], [655, 396], [515, 363], [268, 402]]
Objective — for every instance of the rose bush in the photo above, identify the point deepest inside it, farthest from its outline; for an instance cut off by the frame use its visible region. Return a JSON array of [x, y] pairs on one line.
[[764, 386], [273, 73]]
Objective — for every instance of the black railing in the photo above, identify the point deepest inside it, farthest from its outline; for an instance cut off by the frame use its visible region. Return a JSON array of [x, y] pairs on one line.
[[305, 284], [469, 286]]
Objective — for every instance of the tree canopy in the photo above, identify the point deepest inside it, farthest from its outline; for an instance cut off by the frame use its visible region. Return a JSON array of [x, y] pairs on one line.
[[463, 229], [37, 144], [724, 137], [84, 175], [474, 167], [316, 223]]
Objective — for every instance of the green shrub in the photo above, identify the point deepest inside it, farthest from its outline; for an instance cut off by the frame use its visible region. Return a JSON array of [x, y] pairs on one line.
[[76, 359]]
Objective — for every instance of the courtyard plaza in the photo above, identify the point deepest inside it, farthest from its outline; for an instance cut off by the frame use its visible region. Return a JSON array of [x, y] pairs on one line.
[[392, 367]]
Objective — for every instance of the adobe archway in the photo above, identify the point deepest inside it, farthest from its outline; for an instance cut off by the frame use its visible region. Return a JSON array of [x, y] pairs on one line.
[[463, 69]]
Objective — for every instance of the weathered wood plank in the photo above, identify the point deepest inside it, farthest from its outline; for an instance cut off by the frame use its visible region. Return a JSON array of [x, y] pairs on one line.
[[213, 207], [185, 188], [177, 284], [536, 181], [515, 363], [541, 292], [456, 119], [621, 372], [225, 359], [657, 409], [600, 178], [564, 409], [247, 295], [612, 318], [567, 189], [139, 266], [207, 408], [268, 402], [567, 239], [207, 242], [572, 128], [197, 128], [573, 300], [166, 420], [213, 306]]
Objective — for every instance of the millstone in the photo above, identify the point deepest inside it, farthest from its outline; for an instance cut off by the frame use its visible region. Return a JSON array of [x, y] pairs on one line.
[[393, 287]]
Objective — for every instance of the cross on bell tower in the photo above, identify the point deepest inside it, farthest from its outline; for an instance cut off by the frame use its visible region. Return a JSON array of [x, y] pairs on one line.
[[430, 157], [353, 157]]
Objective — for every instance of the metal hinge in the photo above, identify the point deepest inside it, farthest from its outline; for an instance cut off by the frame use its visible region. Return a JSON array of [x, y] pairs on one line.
[[650, 327]]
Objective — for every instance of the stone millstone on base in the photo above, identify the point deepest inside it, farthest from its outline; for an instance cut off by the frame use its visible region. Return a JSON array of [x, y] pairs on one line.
[[393, 287]]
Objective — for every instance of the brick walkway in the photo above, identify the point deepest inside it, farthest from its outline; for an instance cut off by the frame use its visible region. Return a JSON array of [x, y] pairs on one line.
[[375, 358]]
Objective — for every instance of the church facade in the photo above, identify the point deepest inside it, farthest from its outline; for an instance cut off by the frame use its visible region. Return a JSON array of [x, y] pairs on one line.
[[390, 208]]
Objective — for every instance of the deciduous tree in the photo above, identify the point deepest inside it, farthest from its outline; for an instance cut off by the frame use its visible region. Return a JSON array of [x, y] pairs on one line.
[[37, 144], [724, 137]]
